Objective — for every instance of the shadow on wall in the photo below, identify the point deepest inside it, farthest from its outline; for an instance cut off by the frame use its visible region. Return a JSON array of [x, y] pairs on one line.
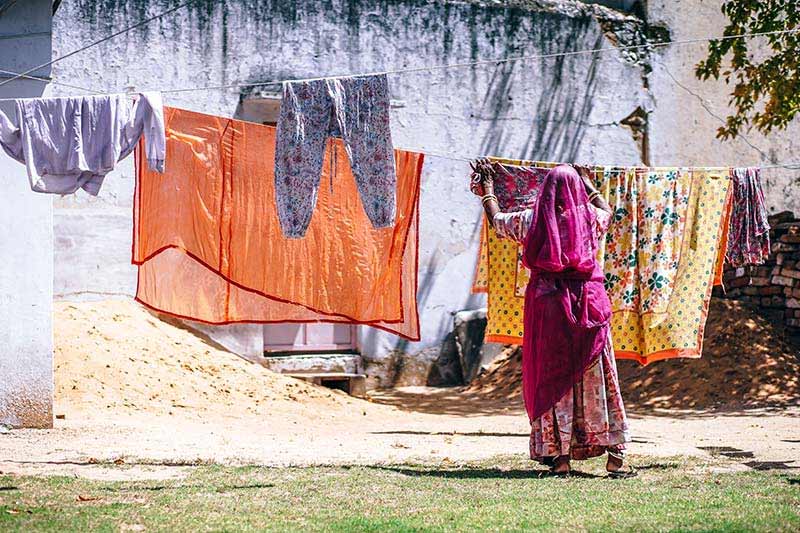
[[566, 86], [401, 367], [567, 98]]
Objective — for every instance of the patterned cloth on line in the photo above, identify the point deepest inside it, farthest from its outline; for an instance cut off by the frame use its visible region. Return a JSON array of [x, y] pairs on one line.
[[659, 306], [748, 234], [357, 110], [209, 245]]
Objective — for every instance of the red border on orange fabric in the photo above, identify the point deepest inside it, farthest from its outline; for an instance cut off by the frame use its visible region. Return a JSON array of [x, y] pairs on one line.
[[378, 324]]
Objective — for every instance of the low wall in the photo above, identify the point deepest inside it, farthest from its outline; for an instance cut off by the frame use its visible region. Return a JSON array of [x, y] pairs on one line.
[[775, 285]]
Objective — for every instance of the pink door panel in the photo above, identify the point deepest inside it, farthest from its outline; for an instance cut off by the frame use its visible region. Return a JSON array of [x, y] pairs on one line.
[[308, 337]]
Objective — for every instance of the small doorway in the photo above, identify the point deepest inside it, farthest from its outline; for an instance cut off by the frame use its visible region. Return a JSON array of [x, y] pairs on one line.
[[293, 339]]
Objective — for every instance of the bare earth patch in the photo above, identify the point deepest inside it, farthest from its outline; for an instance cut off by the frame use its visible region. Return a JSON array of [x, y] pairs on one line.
[[143, 399]]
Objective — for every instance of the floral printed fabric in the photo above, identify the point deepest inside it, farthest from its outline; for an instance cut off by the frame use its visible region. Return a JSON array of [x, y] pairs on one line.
[[587, 422], [355, 108], [666, 315], [660, 257], [748, 234], [643, 249]]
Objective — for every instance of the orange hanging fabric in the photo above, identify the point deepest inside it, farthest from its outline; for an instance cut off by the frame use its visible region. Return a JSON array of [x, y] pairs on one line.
[[209, 246]]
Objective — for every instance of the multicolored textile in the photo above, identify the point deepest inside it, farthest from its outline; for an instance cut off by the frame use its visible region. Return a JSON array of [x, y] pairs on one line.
[[586, 422], [515, 185], [357, 109], [663, 308], [643, 247], [659, 307], [748, 233], [567, 311], [73, 143], [209, 246]]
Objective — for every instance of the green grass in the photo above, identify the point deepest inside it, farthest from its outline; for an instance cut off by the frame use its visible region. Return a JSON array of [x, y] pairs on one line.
[[502, 494]]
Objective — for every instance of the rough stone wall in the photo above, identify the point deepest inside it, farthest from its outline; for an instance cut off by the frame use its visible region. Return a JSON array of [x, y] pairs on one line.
[[556, 109], [775, 285], [26, 240]]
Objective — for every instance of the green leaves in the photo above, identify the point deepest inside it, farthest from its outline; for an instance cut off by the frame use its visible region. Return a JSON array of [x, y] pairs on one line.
[[764, 71]]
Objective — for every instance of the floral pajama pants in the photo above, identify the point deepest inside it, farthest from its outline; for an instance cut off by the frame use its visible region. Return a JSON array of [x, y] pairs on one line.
[[355, 108]]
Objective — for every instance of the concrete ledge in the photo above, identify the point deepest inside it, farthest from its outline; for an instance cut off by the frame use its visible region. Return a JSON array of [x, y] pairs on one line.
[[313, 363]]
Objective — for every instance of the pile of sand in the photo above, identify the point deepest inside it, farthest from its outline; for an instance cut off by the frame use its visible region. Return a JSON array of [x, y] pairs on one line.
[[115, 357], [502, 379], [746, 363]]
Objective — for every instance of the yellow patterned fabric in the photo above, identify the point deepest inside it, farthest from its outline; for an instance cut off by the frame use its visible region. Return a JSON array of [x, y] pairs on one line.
[[674, 326], [660, 258], [501, 261]]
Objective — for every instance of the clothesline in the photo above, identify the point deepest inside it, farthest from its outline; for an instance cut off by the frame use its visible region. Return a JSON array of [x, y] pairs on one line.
[[46, 80], [511, 59], [791, 165], [396, 71], [433, 68], [27, 73], [95, 43]]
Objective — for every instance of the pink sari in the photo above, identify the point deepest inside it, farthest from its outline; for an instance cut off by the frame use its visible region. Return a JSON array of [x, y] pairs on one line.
[[567, 311]]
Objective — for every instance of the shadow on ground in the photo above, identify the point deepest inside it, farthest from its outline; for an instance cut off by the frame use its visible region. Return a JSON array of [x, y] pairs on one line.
[[446, 401], [460, 401], [480, 473]]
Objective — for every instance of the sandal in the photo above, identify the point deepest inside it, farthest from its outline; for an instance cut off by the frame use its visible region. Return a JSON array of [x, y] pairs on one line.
[[619, 472], [558, 463]]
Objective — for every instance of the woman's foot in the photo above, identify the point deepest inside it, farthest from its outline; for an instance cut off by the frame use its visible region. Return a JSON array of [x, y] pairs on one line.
[[615, 463], [561, 465]]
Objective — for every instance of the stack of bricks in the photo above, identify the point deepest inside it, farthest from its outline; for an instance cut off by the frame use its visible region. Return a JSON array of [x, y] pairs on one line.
[[775, 285]]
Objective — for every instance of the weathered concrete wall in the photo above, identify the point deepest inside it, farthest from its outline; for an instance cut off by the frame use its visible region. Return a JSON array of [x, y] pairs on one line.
[[26, 240], [687, 111], [558, 109]]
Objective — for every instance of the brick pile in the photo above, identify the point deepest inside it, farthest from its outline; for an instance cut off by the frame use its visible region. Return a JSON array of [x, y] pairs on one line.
[[775, 285]]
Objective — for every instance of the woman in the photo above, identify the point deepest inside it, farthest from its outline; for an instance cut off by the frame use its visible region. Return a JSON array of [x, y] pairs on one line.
[[569, 376]]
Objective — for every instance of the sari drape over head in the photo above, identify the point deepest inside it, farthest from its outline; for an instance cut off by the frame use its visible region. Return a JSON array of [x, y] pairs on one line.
[[567, 310]]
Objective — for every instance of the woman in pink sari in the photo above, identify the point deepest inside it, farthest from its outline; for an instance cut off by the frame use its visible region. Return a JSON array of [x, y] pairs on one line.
[[569, 376]]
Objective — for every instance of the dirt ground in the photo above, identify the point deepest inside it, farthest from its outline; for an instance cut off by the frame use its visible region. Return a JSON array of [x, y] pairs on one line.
[[155, 399]]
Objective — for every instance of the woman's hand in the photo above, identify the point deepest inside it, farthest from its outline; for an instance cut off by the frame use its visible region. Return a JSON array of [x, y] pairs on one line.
[[480, 186], [482, 182], [597, 200]]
